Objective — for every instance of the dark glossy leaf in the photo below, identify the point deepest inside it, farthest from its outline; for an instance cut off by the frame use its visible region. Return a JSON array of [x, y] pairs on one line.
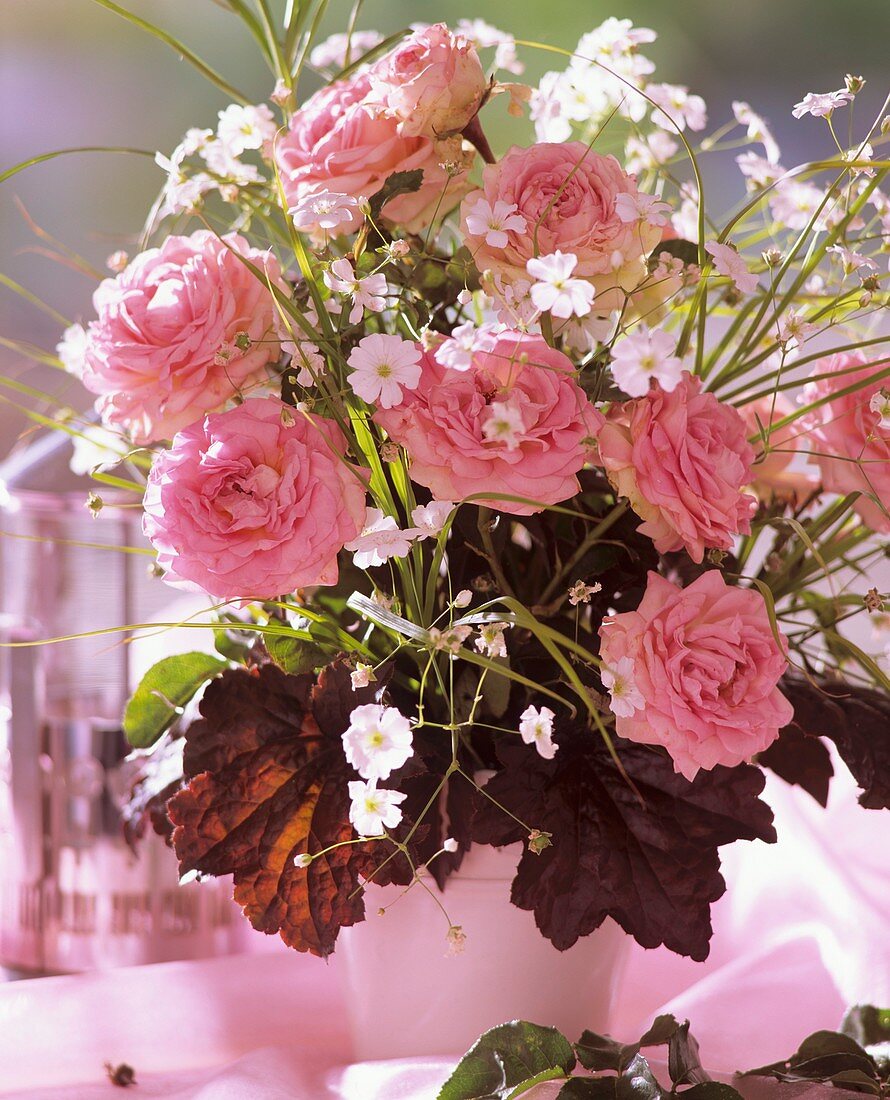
[[857, 720], [711, 1090], [856, 1081], [684, 1063], [652, 865], [268, 781], [599, 1052], [637, 1082], [506, 1057], [801, 760], [663, 1029], [588, 1088], [167, 686], [398, 183], [825, 1056], [867, 1025], [823, 1043], [152, 777]]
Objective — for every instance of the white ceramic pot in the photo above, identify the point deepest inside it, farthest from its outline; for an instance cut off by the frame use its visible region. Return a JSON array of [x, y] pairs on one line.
[[406, 994]]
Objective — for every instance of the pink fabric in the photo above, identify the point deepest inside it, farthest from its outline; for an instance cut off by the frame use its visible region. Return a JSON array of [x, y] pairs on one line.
[[801, 933]]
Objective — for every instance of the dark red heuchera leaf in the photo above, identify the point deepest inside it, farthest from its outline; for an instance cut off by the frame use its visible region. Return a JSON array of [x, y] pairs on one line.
[[856, 719], [152, 777], [268, 781], [801, 760], [653, 867]]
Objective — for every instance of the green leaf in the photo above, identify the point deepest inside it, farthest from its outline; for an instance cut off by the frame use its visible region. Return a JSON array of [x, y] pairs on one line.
[[507, 1060], [294, 655], [867, 1025], [398, 183], [164, 689]]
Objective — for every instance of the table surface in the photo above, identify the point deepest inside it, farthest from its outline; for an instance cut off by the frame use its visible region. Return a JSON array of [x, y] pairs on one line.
[[803, 930]]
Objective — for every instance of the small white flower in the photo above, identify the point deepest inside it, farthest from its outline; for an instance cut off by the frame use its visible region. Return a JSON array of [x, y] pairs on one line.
[[463, 599], [242, 128], [307, 358], [362, 676], [880, 404], [639, 207], [758, 130], [457, 939], [72, 349], [758, 171], [303, 860], [555, 290], [465, 341], [381, 539], [429, 519], [625, 697], [504, 424], [450, 639], [371, 811], [494, 222], [378, 740], [729, 263], [536, 728], [821, 104], [678, 109], [581, 592], [450, 844], [381, 366], [644, 153], [643, 355], [324, 210], [365, 293], [795, 330], [491, 641], [852, 261], [465, 297]]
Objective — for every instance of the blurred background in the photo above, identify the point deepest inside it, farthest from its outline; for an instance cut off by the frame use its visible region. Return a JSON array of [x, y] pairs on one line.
[[74, 74]]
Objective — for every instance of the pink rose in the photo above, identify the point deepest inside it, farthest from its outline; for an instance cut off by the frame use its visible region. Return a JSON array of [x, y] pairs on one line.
[[339, 142], [565, 193], [847, 428], [771, 476], [432, 82], [699, 666], [162, 351], [681, 459], [514, 423], [243, 505]]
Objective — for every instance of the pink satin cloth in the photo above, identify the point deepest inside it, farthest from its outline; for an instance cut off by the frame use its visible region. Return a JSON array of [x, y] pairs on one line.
[[803, 931]]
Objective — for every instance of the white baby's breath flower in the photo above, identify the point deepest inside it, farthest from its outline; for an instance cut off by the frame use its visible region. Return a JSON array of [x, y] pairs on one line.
[[429, 519], [536, 728], [303, 860], [463, 599], [323, 210], [362, 676], [449, 844], [729, 263], [757, 130], [677, 109], [491, 641], [852, 261], [494, 222], [242, 128], [72, 349], [378, 740], [554, 289], [450, 639], [504, 424], [581, 592], [821, 104], [643, 356], [381, 539], [625, 697], [365, 292], [381, 366], [639, 207], [371, 811], [880, 404]]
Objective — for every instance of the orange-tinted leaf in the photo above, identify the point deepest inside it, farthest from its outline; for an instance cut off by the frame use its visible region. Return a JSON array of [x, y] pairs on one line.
[[268, 781]]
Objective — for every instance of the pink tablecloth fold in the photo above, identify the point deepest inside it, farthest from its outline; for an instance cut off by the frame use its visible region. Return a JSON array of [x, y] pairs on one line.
[[804, 930]]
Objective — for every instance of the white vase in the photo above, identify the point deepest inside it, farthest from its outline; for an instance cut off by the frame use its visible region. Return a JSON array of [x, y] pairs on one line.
[[408, 996]]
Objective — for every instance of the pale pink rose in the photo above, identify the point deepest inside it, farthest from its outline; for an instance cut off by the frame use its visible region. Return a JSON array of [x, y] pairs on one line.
[[339, 142], [681, 459], [162, 351], [514, 424], [771, 475], [566, 193], [849, 445], [251, 504], [706, 664], [432, 82]]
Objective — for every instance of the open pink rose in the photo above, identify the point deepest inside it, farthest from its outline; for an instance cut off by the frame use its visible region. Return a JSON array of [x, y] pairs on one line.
[[681, 459], [244, 505], [341, 143], [432, 82], [849, 444], [700, 667], [515, 423], [162, 350], [771, 476], [566, 196]]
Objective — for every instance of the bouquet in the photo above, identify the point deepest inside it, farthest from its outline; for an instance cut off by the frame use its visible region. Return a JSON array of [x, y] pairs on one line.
[[535, 499]]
